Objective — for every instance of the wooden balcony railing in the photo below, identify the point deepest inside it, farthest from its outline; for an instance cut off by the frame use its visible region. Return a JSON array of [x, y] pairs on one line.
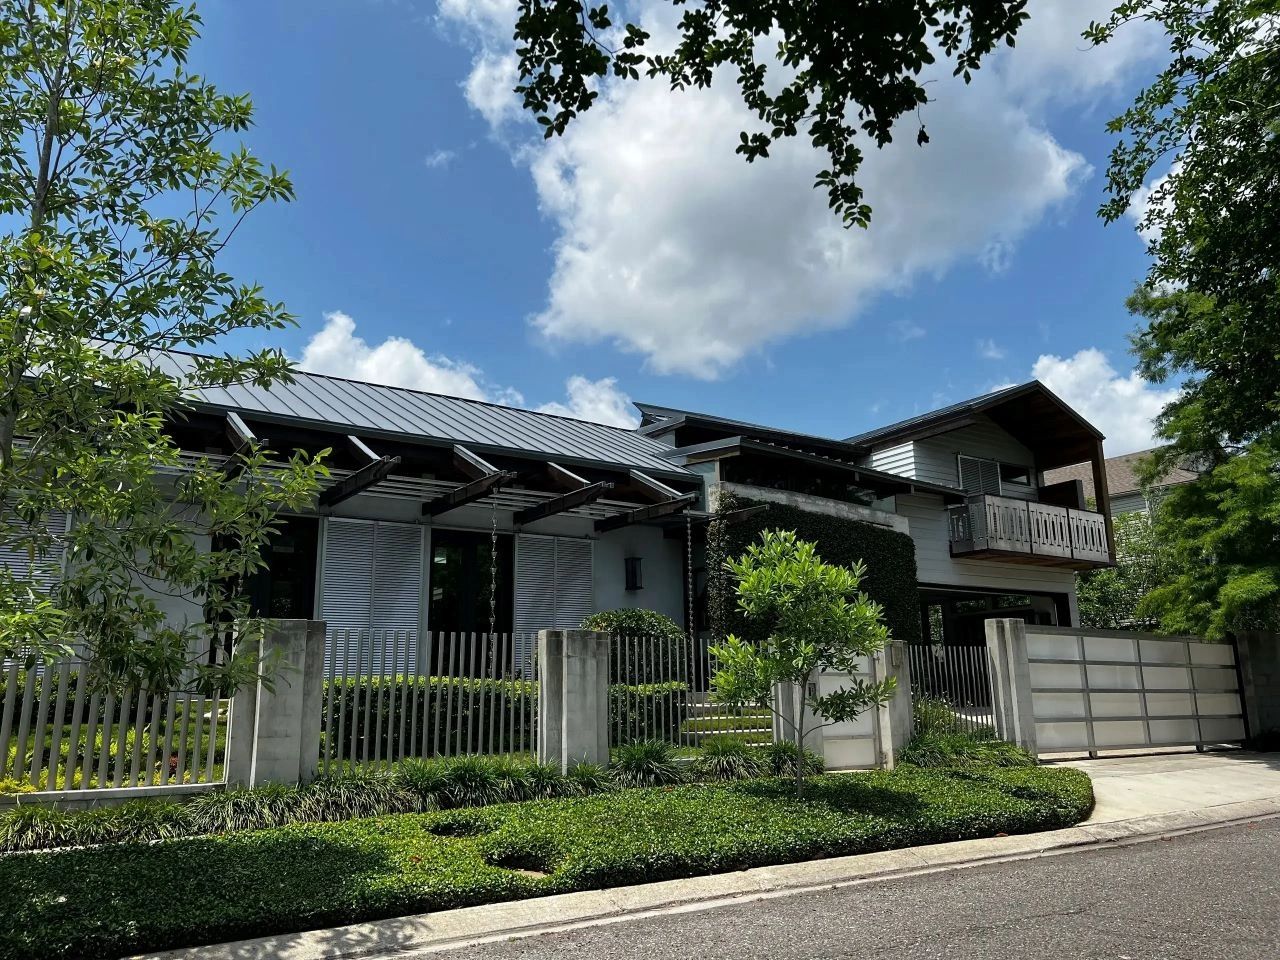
[[1003, 525]]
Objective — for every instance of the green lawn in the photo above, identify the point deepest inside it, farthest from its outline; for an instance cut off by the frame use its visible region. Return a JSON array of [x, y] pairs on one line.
[[133, 897]]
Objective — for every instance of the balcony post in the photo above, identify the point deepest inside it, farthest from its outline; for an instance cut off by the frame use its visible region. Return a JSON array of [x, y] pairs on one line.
[[1103, 496]]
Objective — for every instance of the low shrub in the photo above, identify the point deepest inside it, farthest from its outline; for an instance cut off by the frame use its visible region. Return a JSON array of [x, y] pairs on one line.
[[963, 750], [319, 875], [729, 758], [646, 763], [9, 787], [586, 778], [783, 756]]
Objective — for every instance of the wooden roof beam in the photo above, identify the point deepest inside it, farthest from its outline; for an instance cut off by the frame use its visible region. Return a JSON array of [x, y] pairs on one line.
[[467, 493], [367, 476], [654, 488], [472, 464], [242, 439], [567, 501], [651, 512]]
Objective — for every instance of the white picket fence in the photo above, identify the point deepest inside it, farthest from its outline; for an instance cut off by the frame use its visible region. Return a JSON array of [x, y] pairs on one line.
[[58, 731]]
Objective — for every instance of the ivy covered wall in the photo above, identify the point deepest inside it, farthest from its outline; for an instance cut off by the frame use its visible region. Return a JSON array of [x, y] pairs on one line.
[[890, 559]]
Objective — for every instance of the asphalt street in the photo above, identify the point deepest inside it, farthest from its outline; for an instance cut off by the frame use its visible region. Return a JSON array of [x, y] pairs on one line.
[[1207, 896]]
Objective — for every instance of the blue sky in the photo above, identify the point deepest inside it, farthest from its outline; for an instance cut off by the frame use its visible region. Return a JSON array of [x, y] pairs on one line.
[[639, 258]]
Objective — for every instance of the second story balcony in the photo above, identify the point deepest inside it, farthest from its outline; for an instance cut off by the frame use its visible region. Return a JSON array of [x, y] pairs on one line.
[[1010, 529]]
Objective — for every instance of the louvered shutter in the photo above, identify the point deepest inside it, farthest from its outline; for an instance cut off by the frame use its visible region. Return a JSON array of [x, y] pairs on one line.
[[979, 476], [535, 607], [371, 582], [554, 589], [397, 592], [574, 584], [42, 572]]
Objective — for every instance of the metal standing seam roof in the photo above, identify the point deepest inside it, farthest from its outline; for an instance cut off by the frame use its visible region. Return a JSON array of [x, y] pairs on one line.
[[336, 403]]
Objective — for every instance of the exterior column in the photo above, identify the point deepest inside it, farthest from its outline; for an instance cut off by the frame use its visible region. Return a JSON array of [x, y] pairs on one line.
[[894, 718], [274, 734], [573, 697], [1011, 683]]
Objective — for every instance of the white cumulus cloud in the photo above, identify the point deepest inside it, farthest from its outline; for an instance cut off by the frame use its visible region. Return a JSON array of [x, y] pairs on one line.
[[670, 246], [1121, 406], [600, 401], [335, 349]]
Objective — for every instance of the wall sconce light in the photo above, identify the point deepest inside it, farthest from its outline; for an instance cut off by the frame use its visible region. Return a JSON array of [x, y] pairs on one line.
[[635, 573]]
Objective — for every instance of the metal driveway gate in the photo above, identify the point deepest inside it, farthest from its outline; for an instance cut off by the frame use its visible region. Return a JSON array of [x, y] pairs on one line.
[[1109, 690]]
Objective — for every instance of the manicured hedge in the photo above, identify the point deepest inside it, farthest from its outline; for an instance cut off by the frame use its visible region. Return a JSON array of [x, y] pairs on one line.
[[133, 898], [890, 558]]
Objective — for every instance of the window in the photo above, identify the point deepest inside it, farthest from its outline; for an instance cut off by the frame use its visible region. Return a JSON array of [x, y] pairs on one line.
[[978, 475], [462, 578], [1013, 473]]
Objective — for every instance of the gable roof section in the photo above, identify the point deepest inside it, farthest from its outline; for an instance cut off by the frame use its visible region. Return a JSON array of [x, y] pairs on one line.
[[659, 420], [1030, 412], [345, 406]]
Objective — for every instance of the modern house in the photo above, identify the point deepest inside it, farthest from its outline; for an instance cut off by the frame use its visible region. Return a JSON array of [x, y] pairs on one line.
[[448, 515], [1127, 494], [968, 483]]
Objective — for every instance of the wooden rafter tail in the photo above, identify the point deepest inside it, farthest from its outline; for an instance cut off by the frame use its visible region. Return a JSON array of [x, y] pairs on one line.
[[568, 501], [467, 493], [367, 476], [651, 512]]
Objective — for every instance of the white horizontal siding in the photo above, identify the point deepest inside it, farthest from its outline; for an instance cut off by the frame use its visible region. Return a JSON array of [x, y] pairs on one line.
[[935, 457], [899, 460], [935, 565], [1132, 502]]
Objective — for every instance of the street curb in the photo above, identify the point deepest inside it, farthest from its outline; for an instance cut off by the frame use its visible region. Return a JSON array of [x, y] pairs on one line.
[[450, 929]]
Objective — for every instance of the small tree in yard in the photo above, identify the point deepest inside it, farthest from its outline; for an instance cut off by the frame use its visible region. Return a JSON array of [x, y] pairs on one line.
[[816, 618], [120, 185]]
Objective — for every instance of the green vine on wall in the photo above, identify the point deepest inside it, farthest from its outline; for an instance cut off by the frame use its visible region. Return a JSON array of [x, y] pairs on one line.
[[890, 557]]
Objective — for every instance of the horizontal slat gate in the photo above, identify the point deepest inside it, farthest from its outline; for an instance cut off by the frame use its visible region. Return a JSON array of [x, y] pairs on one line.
[[1109, 691]]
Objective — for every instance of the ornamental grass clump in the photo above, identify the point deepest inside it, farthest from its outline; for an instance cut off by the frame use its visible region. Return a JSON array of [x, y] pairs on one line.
[[646, 763], [476, 781], [586, 778], [729, 758]]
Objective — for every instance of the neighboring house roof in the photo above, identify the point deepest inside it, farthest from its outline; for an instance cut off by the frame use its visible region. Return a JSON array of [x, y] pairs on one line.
[[340, 405], [658, 420], [1121, 474]]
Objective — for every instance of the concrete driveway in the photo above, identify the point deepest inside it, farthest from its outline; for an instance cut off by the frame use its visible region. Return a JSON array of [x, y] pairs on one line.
[[1140, 786]]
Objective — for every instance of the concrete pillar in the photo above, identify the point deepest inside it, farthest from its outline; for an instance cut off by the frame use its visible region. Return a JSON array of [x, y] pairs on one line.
[[573, 697], [1258, 655], [894, 718], [274, 735], [1011, 683]]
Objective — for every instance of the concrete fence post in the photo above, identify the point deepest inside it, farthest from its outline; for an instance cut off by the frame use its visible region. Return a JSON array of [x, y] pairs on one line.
[[274, 733], [573, 697], [1258, 658], [1011, 683], [894, 717]]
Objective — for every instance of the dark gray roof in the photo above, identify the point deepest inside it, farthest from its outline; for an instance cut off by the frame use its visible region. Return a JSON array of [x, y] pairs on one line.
[[985, 402], [332, 403]]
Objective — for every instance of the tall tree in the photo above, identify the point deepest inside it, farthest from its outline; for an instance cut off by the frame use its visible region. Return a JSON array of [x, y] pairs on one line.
[[1111, 598], [117, 195], [1199, 150], [829, 69]]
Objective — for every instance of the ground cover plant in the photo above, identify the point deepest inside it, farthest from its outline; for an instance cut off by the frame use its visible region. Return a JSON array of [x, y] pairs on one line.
[[313, 875]]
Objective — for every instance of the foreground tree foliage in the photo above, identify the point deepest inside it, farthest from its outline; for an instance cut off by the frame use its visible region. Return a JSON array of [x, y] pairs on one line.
[[1201, 147], [1110, 599], [115, 200], [817, 618], [830, 69]]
